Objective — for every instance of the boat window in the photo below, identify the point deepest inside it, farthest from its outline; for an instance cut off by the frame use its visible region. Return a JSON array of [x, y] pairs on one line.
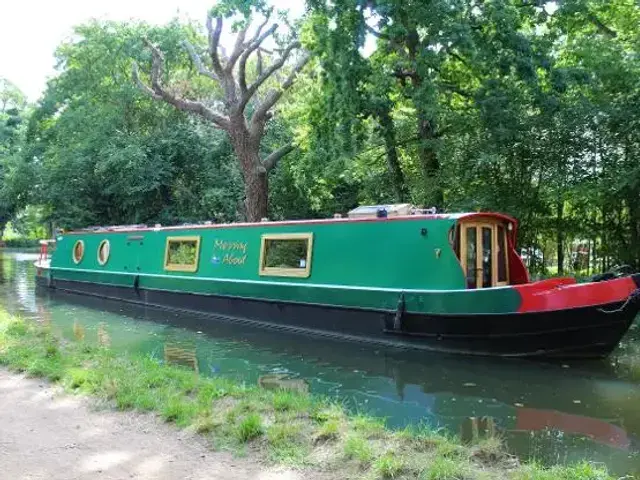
[[182, 254], [78, 251], [487, 257], [286, 255], [471, 257], [104, 250], [502, 255]]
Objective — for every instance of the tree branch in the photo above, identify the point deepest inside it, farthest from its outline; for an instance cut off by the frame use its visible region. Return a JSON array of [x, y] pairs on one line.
[[214, 41], [242, 78], [159, 93], [256, 35], [197, 61], [273, 158], [375, 32], [141, 85], [455, 89], [274, 95], [259, 64], [602, 28], [277, 65], [237, 49]]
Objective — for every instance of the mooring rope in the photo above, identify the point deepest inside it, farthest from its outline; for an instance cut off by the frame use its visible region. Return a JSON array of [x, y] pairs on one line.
[[632, 298]]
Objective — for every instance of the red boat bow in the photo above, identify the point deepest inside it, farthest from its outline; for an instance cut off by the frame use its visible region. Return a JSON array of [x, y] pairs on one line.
[[565, 293]]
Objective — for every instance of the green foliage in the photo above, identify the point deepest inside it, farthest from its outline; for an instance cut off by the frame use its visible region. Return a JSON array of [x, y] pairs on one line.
[[389, 466], [581, 471], [250, 427], [357, 448], [286, 253], [330, 430], [442, 468], [182, 252], [21, 243], [105, 153], [286, 443]]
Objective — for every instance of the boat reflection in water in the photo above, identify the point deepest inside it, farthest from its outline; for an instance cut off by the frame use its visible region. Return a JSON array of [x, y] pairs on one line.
[[181, 354], [552, 412]]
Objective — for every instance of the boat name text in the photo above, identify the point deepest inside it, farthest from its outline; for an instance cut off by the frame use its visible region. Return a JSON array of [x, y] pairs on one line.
[[225, 245], [233, 251]]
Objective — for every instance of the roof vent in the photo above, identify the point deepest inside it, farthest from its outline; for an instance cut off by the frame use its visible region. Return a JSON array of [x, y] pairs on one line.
[[381, 211]]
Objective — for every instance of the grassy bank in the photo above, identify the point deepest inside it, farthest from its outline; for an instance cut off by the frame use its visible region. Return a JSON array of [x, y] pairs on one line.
[[278, 426]]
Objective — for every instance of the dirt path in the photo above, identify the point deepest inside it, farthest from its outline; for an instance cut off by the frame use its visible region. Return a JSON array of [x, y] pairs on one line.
[[45, 434]]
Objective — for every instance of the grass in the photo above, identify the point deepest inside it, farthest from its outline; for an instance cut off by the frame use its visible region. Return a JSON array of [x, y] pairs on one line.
[[283, 427], [285, 400], [581, 471], [389, 466], [286, 443], [250, 427], [357, 448], [442, 468]]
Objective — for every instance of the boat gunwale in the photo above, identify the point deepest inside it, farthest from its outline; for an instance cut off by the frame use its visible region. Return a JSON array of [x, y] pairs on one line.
[[266, 282]]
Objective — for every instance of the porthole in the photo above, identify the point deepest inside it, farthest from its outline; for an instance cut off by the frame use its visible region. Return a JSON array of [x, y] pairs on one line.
[[104, 250], [78, 251]]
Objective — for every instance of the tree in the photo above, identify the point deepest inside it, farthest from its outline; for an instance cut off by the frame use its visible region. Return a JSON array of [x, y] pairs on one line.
[[12, 112], [245, 128], [103, 152], [10, 97], [430, 58]]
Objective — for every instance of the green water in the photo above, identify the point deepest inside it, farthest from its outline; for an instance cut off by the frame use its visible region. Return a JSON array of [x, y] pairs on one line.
[[552, 412]]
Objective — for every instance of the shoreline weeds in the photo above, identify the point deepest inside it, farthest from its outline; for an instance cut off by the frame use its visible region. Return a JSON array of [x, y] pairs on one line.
[[284, 428]]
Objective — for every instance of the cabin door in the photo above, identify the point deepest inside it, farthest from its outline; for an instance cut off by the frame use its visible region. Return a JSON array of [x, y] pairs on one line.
[[483, 254], [133, 253]]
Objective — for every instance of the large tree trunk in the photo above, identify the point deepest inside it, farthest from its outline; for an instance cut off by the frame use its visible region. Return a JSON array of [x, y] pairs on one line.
[[256, 194], [434, 196], [253, 173], [388, 133], [560, 236]]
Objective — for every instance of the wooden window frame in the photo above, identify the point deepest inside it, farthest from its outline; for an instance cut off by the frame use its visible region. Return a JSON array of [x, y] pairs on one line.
[[73, 251], [176, 267], [505, 254], [286, 272], [100, 245]]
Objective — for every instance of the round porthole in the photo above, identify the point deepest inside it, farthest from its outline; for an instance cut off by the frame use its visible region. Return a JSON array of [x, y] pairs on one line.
[[104, 249], [78, 251]]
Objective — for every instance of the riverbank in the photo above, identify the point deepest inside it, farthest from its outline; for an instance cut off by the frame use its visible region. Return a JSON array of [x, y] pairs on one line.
[[49, 434], [275, 428]]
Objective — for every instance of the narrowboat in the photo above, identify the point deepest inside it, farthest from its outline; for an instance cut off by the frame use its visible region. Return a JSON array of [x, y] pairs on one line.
[[389, 275]]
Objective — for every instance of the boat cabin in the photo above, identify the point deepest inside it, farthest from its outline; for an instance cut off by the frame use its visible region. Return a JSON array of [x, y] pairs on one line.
[[485, 245], [378, 246]]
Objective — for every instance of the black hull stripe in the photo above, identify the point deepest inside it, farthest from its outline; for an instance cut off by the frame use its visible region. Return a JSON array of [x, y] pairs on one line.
[[596, 337]]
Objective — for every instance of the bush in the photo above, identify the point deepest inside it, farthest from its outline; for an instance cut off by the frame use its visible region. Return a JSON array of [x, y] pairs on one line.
[[20, 243]]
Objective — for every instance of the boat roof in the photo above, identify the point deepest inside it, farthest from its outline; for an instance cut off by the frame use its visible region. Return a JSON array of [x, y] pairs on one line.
[[211, 225]]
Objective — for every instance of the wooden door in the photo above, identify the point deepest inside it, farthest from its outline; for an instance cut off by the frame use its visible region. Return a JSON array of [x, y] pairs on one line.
[[483, 254]]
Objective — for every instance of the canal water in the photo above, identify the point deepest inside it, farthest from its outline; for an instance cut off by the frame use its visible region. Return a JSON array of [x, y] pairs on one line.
[[552, 412]]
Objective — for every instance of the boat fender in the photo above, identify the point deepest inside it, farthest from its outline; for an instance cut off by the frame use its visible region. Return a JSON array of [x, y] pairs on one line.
[[397, 320], [136, 284], [50, 281], [633, 298]]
